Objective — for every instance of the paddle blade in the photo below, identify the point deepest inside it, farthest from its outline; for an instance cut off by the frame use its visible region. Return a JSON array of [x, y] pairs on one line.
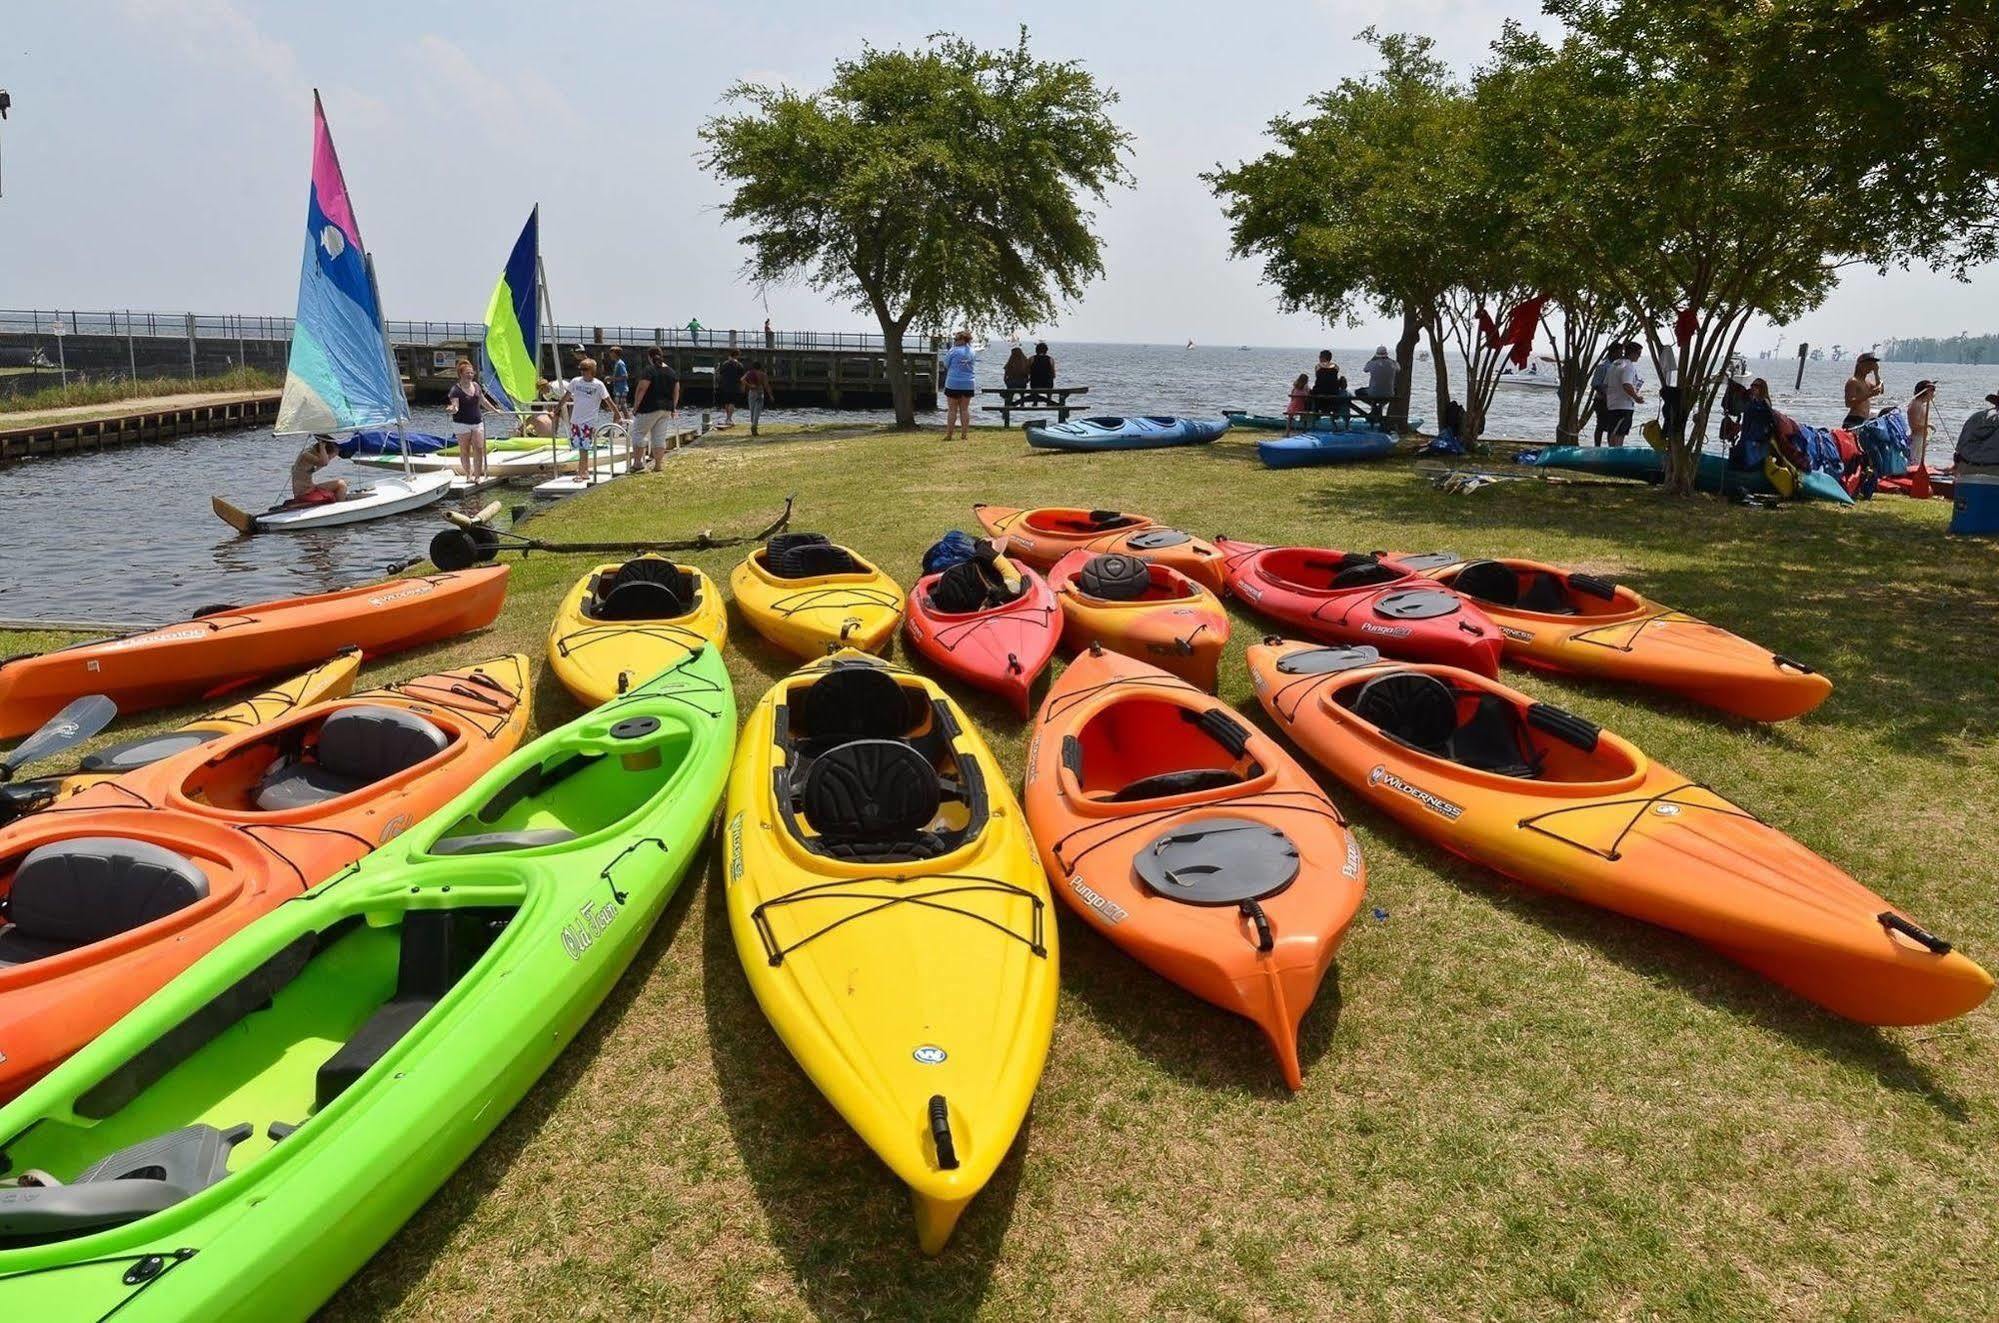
[[68, 728]]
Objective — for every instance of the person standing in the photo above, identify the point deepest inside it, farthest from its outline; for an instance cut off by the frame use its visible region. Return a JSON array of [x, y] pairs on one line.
[[1861, 389], [590, 408], [1014, 374], [960, 384], [1918, 412], [1623, 389], [656, 411], [729, 387], [469, 400], [757, 385], [694, 331], [1041, 368], [618, 378], [770, 336], [1599, 382]]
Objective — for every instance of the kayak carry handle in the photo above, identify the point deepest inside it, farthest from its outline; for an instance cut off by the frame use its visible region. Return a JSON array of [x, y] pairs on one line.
[[1266, 941], [940, 1133], [1786, 663], [1894, 922]]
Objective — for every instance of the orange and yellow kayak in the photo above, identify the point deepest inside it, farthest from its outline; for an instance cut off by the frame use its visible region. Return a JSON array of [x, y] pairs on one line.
[[1042, 537], [1142, 609], [1579, 624], [1547, 798], [1192, 840]]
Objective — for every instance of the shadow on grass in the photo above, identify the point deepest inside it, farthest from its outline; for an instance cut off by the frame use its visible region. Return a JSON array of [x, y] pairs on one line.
[[1889, 607], [388, 1280], [840, 1218]]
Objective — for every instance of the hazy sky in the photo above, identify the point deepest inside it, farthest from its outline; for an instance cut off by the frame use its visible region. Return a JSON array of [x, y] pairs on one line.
[[157, 152]]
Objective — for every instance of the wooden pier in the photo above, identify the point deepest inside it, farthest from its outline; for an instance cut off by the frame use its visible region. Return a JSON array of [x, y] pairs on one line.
[[93, 430]]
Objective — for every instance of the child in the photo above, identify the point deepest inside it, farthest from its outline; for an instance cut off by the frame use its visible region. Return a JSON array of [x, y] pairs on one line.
[[1301, 398]]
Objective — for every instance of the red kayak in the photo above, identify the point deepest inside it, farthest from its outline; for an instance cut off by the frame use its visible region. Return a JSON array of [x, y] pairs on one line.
[[988, 622], [1346, 597]]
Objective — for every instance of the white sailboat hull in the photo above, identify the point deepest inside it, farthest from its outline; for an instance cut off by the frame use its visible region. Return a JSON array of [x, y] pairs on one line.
[[390, 496]]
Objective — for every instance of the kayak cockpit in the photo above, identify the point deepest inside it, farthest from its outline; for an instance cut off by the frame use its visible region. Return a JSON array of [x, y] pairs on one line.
[[1485, 730], [67, 895], [325, 757], [1520, 585], [870, 772], [1149, 748], [250, 1064], [1309, 569], [1081, 523]]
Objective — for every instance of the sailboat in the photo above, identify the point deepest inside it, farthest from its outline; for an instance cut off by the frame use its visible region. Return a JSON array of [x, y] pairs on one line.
[[341, 375]]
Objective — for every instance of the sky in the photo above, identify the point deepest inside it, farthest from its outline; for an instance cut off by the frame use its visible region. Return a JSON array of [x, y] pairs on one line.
[[157, 153]]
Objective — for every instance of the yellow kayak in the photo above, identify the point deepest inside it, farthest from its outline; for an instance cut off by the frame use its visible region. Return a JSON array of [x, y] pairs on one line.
[[893, 920], [332, 678], [622, 624], [811, 597]]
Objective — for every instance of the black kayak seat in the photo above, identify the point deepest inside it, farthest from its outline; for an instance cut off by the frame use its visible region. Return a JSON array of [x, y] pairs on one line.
[[1544, 593], [135, 1182], [811, 560], [498, 842], [871, 791], [1114, 577], [962, 589], [851, 703], [1422, 712], [358, 746], [130, 755], [645, 588], [1488, 581], [70, 893]]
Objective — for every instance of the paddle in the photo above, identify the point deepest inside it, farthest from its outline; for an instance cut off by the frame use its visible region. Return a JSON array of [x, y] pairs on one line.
[[68, 728]]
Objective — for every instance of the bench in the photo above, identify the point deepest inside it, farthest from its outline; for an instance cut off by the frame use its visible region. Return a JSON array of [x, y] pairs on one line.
[[1032, 399]]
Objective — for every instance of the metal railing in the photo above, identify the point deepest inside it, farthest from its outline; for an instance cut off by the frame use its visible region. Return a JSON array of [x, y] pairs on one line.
[[58, 323]]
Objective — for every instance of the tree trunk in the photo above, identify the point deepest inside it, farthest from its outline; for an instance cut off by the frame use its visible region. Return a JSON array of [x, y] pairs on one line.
[[1441, 369], [901, 394], [1405, 362]]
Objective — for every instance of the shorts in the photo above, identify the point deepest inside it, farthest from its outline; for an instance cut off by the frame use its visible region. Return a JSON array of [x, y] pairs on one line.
[[469, 431], [317, 496], [729, 395], [1617, 422], [653, 431], [583, 437], [952, 393]]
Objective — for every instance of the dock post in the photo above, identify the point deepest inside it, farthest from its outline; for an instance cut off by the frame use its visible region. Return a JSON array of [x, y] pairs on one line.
[[62, 358], [192, 372], [131, 351]]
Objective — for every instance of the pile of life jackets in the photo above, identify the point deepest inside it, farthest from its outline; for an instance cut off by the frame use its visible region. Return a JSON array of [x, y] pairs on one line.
[[1783, 448]]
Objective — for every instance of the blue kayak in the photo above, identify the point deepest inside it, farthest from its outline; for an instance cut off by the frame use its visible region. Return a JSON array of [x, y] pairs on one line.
[[1301, 449], [1648, 465], [1145, 432]]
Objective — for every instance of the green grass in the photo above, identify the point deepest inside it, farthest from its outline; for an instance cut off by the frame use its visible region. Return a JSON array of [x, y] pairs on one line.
[[1515, 1106], [78, 394]]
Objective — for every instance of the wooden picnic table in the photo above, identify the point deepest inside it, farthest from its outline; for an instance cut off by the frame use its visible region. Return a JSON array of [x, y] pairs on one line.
[[1033, 399]]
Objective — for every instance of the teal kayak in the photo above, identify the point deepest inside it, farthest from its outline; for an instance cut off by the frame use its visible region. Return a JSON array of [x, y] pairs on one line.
[[242, 1142], [1323, 422], [1648, 465], [1145, 432]]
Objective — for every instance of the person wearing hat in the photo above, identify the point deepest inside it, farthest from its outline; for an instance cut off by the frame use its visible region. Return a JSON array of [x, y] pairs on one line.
[[318, 453], [1861, 389], [1380, 372], [1978, 439]]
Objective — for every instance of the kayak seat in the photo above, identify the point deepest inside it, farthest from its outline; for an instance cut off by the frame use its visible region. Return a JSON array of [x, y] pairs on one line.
[[496, 842], [1488, 581], [811, 560], [1424, 713], [357, 746], [1354, 570], [778, 543], [963, 589], [1106, 519], [1185, 782], [71, 893], [1545, 593], [870, 798], [1114, 578], [851, 703], [647, 588], [438, 948], [1491, 740], [132, 1183]]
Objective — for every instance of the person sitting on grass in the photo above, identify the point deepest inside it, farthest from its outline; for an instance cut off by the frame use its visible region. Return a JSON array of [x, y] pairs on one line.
[[318, 453]]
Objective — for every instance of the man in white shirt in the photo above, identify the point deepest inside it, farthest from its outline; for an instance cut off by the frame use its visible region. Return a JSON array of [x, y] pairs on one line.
[[590, 408], [1623, 390]]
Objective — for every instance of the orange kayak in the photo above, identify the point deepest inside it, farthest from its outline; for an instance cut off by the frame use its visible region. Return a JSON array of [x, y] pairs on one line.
[[113, 892], [230, 646], [1142, 609], [1192, 840], [1547, 798], [1559, 620], [1042, 537]]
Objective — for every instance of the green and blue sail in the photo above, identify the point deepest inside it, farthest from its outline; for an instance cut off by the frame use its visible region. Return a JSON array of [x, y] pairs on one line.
[[513, 331], [341, 375]]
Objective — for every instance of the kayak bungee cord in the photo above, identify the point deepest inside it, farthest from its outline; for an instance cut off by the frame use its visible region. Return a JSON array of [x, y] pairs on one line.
[[830, 890], [1664, 801]]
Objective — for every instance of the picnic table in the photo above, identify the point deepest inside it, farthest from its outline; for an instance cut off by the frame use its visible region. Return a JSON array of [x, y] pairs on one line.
[[1331, 407], [1033, 399]]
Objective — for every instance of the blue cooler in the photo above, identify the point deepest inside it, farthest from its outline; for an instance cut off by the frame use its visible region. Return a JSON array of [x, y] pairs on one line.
[[1974, 512]]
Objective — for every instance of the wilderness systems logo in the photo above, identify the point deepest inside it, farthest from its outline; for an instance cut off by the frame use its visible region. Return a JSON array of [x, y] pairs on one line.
[[1517, 635], [1437, 804], [147, 640], [419, 589], [582, 932]]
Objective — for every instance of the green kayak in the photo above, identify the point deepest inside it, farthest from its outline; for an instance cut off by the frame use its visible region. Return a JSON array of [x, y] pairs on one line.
[[505, 445], [1324, 422], [242, 1142]]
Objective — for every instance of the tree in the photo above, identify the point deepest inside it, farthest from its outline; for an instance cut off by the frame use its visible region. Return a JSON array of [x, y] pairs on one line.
[[928, 186]]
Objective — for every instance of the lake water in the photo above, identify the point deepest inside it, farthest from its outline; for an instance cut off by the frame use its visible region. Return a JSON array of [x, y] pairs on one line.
[[128, 535]]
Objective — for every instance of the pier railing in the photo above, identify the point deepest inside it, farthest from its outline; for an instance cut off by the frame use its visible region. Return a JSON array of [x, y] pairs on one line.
[[60, 323]]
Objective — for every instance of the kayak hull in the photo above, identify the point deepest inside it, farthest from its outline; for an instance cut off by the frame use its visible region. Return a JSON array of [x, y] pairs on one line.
[[379, 500], [1296, 586], [1003, 649], [196, 805], [814, 616], [888, 1007], [1307, 449], [1149, 432], [1604, 824], [209, 655], [596, 660], [275, 1238], [1110, 723], [1626, 637], [1044, 536], [1178, 626]]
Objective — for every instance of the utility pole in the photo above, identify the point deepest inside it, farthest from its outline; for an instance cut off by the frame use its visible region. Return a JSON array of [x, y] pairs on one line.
[[6, 104]]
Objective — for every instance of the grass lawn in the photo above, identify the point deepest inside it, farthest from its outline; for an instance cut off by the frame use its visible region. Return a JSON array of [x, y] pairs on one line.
[[75, 402], [1515, 1106]]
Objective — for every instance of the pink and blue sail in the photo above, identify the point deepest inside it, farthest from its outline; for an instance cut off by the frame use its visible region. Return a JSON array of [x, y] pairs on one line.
[[341, 375]]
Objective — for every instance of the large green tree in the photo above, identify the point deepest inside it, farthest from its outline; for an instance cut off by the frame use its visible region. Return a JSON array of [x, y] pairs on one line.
[[944, 184]]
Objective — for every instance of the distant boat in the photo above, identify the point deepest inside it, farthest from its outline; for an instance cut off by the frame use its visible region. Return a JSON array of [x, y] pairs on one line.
[[1838, 352], [1818, 355], [1532, 378], [1190, 344]]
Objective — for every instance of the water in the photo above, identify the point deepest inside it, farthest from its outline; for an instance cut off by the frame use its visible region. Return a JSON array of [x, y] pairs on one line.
[[128, 535]]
